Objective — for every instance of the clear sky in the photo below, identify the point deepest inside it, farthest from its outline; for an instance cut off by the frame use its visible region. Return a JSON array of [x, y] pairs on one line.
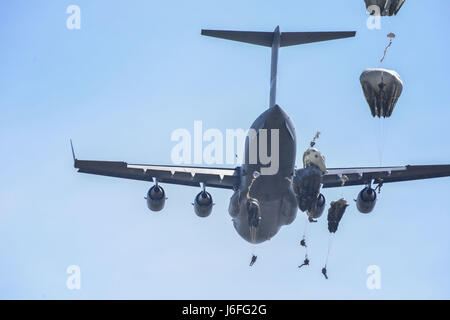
[[138, 70]]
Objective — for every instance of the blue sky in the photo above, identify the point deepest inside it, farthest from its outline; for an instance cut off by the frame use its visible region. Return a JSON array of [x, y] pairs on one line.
[[136, 71]]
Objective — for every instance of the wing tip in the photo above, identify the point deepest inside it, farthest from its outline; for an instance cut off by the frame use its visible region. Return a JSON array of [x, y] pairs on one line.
[[73, 153]]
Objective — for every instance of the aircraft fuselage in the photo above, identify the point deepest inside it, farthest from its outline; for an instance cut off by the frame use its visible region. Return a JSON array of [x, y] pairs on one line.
[[274, 192]]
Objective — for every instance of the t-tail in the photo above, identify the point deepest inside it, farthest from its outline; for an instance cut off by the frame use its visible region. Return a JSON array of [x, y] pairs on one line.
[[276, 40]]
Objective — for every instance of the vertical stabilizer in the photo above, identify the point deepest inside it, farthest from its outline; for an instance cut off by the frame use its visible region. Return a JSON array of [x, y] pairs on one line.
[[276, 40], [274, 66]]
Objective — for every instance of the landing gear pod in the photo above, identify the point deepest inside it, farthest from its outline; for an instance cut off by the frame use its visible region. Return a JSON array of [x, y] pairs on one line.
[[386, 7], [366, 200], [156, 198], [203, 204], [382, 88]]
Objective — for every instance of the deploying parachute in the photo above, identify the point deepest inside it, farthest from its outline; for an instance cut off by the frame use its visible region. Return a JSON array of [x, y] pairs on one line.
[[307, 181], [306, 184], [335, 213], [391, 37], [382, 88], [386, 7]]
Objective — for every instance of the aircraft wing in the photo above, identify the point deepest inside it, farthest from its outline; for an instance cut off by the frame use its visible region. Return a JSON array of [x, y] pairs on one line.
[[188, 176], [337, 177]]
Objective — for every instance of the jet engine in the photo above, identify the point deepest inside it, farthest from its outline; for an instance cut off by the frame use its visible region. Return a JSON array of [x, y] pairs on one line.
[[156, 198], [366, 200], [203, 204], [317, 208]]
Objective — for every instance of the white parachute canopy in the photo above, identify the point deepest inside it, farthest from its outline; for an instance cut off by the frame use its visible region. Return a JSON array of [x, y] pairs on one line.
[[382, 88], [386, 7]]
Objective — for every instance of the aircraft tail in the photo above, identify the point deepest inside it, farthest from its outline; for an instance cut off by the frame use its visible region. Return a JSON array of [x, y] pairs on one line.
[[295, 38], [276, 40], [286, 38], [253, 37]]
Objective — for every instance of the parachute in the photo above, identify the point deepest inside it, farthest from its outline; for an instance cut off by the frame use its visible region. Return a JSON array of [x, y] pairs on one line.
[[391, 37], [312, 156], [335, 213], [382, 88], [306, 184], [307, 181], [386, 7]]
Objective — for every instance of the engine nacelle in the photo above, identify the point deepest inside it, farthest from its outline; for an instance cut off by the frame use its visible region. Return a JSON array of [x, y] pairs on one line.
[[203, 204], [317, 208], [156, 198], [366, 200]]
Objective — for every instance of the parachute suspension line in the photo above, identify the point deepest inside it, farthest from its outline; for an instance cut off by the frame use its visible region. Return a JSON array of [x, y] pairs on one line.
[[379, 134], [335, 213], [383, 138], [384, 135], [381, 126], [252, 231], [330, 242], [256, 175], [306, 226], [254, 250], [304, 244], [313, 141], [380, 141], [385, 51], [375, 131]]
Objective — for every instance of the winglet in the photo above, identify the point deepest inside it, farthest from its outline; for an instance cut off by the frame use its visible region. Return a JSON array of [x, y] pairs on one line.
[[73, 152]]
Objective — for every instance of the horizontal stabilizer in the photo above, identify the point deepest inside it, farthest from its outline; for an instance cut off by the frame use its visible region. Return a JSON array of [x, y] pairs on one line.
[[275, 40], [253, 37], [294, 38], [286, 38]]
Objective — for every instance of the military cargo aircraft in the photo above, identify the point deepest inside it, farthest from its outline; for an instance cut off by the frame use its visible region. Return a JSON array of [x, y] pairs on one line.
[[262, 203]]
